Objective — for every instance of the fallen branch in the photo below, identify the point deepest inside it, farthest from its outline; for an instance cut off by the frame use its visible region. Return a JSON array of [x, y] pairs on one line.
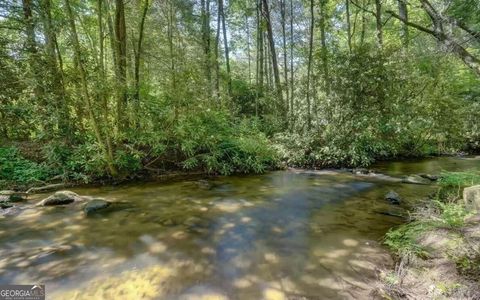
[[46, 188]]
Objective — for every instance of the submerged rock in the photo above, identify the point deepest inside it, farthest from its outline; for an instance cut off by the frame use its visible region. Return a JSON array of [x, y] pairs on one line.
[[394, 212], [416, 179], [95, 205], [393, 198], [430, 177], [12, 196], [471, 196], [60, 198]]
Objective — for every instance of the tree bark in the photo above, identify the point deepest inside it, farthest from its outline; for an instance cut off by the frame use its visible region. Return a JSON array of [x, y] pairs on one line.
[[121, 52], [205, 16], [138, 53], [292, 101], [285, 65], [276, 72], [349, 28], [378, 22], [323, 39], [225, 45], [403, 13], [309, 65]]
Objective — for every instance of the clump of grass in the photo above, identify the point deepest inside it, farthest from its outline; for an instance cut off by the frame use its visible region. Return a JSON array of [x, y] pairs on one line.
[[459, 179], [452, 183], [403, 239]]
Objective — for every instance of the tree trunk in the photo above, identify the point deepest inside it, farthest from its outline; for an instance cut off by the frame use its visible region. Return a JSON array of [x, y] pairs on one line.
[[85, 93], [378, 22], [225, 45], [276, 72], [323, 40], [403, 13], [309, 65], [121, 52], [260, 52], [248, 50], [349, 30], [31, 47], [217, 62], [138, 54], [205, 15], [56, 73], [285, 65], [291, 66]]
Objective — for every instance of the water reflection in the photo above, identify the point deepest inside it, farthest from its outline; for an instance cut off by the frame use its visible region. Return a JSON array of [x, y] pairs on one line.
[[297, 235]]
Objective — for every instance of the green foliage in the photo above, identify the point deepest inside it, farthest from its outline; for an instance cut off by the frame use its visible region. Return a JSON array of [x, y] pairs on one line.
[[451, 214], [14, 169], [452, 183], [210, 141], [403, 239], [459, 179]]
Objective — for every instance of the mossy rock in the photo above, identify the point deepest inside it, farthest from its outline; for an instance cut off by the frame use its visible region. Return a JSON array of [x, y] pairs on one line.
[[95, 205], [60, 198]]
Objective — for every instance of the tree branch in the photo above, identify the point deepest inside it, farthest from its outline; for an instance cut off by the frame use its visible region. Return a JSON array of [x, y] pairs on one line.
[[416, 26], [363, 8]]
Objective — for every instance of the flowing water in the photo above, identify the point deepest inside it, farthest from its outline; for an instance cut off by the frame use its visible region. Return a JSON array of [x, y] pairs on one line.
[[283, 235]]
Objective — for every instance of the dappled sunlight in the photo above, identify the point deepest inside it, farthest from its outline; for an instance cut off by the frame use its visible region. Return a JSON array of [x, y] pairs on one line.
[[181, 241]]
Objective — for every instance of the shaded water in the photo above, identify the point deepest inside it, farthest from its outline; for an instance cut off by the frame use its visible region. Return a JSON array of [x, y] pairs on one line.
[[283, 235]]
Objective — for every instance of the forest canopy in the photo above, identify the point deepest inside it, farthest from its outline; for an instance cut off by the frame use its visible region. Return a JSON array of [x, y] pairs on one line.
[[111, 88]]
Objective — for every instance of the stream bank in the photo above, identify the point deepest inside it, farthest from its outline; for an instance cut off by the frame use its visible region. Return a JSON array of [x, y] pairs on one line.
[[437, 253]]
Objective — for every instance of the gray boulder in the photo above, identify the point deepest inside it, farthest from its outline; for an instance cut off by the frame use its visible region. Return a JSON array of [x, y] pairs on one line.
[[95, 205], [393, 198], [60, 198], [471, 196]]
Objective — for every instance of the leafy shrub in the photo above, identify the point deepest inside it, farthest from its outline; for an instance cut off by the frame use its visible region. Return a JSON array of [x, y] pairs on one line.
[[18, 170], [212, 142]]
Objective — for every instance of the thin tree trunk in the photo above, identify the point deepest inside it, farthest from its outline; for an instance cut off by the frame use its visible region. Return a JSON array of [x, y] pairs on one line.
[[349, 30], [206, 41], [291, 66], [309, 65], [364, 25], [171, 25], [31, 47], [56, 72], [403, 13], [378, 22], [138, 54], [121, 52], [85, 91], [323, 41], [225, 45], [285, 65], [217, 62], [248, 50], [276, 72], [260, 46]]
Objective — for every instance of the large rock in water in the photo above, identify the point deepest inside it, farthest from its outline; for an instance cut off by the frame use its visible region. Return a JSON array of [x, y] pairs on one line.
[[60, 198], [393, 198], [471, 196], [95, 205]]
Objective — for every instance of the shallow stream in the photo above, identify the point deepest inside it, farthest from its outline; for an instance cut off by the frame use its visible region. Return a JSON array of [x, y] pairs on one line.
[[283, 235]]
